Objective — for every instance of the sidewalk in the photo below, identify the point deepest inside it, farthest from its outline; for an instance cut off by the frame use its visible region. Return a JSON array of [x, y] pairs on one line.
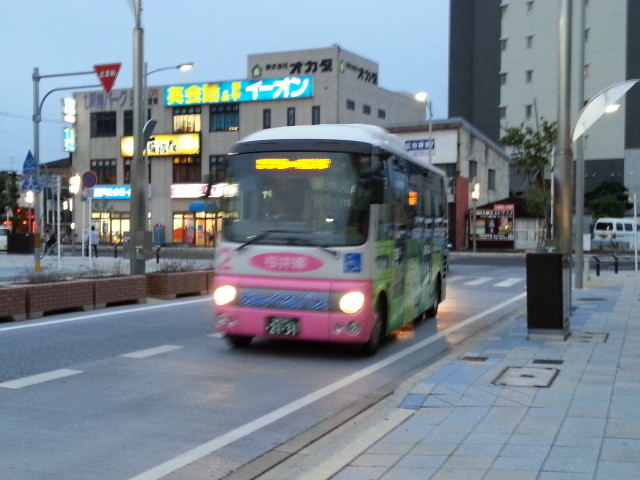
[[509, 408]]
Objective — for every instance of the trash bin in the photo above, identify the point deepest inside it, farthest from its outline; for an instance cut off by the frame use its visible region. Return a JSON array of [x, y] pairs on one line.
[[548, 296]]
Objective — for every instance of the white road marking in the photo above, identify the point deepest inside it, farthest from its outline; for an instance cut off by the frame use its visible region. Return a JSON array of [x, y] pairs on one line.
[[478, 281], [108, 313], [242, 431], [39, 378], [150, 352], [509, 282]]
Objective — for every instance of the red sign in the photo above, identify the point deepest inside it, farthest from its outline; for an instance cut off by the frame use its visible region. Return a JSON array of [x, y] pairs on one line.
[[89, 179], [107, 75]]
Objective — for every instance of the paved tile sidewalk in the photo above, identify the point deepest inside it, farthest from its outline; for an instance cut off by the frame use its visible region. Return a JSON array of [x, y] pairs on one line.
[[584, 425]]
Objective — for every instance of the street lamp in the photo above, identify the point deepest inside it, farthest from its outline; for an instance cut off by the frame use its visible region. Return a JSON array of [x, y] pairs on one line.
[[29, 197], [606, 101], [475, 196], [424, 98]]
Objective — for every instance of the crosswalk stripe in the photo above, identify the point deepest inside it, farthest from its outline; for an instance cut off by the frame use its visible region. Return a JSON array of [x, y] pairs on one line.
[[509, 282], [39, 378], [479, 281]]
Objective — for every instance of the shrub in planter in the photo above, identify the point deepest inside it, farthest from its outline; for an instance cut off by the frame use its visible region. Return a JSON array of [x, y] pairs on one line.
[[13, 305]]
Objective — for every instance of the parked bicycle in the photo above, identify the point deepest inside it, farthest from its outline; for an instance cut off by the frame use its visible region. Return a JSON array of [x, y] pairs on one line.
[[49, 245]]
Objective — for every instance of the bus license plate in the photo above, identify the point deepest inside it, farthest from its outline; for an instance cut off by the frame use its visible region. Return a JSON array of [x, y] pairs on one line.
[[282, 326]]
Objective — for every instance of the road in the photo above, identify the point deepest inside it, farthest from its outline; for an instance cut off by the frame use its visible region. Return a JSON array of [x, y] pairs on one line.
[[149, 392]]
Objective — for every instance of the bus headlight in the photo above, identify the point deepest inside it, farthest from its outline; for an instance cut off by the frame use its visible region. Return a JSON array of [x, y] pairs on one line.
[[351, 302], [224, 295]]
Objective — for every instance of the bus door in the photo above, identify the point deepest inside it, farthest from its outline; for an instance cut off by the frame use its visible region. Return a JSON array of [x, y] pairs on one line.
[[416, 244], [399, 232]]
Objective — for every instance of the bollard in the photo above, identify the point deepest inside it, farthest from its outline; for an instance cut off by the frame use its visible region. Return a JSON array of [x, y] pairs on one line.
[[158, 254], [615, 264], [597, 266], [115, 251]]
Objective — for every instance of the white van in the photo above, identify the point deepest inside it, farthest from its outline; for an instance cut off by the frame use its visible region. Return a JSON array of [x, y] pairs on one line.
[[614, 233]]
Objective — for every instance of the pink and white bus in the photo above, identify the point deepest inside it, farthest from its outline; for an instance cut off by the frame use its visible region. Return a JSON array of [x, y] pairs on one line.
[[331, 233]]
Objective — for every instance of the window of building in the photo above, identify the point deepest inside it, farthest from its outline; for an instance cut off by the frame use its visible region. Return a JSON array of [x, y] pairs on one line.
[[291, 116], [530, 6], [127, 170], [127, 122], [503, 78], [528, 76], [473, 169], [351, 105], [503, 44], [528, 111], [366, 109], [586, 69], [503, 10], [503, 112], [266, 118], [105, 171], [217, 165], [224, 117], [529, 41], [382, 113], [586, 34], [187, 119], [103, 124], [491, 181], [186, 169], [315, 115]]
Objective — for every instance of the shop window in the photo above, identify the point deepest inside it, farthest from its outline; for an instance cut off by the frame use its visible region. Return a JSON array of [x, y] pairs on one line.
[[103, 124], [217, 164], [315, 115], [187, 119], [266, 118], [291, 116], [105, 171], [126, 162], [186, 170], [224, 117]]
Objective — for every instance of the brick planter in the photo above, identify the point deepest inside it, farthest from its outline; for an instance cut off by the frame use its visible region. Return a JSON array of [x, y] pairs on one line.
[[13, 304], [51, 297], [110, 290], [169, 285]]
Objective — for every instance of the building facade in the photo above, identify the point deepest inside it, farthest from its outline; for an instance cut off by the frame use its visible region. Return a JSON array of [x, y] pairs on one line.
[[504, 72], [197, 124], [467, 156]]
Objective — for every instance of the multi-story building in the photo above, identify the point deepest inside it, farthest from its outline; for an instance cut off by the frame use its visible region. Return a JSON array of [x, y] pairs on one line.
[[197, 123], [504, 71]]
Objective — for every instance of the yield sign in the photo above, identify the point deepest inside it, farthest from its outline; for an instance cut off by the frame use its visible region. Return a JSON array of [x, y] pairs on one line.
[[107, 75]]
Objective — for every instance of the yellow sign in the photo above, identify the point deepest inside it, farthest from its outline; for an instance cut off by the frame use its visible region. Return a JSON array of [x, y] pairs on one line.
[[287, 164], [165, 145]]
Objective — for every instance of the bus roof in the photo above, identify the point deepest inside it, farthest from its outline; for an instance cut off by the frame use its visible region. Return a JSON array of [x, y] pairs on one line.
[[345, 132]]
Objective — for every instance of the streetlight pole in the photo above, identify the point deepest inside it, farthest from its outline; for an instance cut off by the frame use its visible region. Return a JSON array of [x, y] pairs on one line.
[[475, 196], [139, 181], [424, 97]]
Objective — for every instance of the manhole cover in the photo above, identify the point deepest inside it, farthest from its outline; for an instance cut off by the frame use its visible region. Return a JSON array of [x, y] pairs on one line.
[[544, 361], [526, 377], [471, 358]]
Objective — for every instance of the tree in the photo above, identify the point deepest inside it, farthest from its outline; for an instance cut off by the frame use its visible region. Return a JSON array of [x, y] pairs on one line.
[[531, 150], [609, 199], [9, 191]]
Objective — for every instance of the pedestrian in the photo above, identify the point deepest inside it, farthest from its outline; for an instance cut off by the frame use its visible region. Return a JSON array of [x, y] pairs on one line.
[[94, 237]]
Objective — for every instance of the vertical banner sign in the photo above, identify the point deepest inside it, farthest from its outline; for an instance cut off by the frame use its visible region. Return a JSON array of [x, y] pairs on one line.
[[107, 75]]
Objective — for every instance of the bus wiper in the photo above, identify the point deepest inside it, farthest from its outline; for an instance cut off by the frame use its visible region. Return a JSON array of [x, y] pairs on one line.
[[307, 243], [260, 236]]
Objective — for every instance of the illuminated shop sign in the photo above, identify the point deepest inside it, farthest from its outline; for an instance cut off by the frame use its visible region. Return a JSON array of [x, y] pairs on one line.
[[115, 192], [239, 91], [295, 68], [497, 224], [69, 139], [196, 190], [298, 164], [162, 145]]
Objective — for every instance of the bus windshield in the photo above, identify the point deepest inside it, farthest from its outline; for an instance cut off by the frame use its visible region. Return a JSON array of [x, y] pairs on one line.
[[297, 198]]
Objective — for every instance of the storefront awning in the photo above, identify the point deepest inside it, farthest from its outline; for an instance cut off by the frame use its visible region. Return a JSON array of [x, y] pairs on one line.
[[203, 206]]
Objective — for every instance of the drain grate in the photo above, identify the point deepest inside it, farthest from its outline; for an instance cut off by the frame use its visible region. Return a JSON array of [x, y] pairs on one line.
[[590, 337], [526, 377], [591, 299], [470, 358], [542, 361]]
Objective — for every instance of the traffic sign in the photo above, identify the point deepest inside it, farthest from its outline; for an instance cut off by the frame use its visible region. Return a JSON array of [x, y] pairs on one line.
[[89, 180], [30, 183], [107, 75], [30, 165]]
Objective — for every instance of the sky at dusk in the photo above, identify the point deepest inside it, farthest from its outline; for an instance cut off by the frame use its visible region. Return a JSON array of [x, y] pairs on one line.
[[409, 39]]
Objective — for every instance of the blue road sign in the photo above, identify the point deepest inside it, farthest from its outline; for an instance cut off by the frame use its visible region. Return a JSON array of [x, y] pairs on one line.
[[30, 165], [30, 183]]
